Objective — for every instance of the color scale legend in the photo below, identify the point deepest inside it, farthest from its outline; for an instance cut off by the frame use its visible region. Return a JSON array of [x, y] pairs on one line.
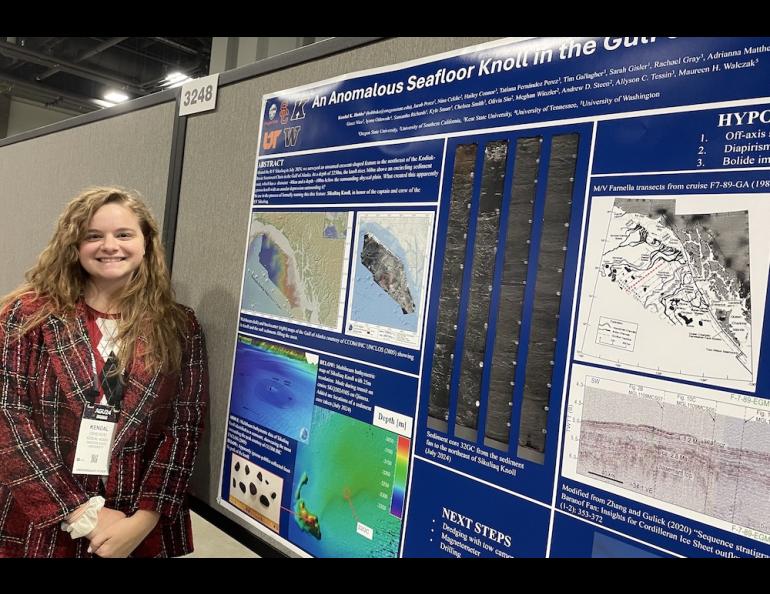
[[399, 480]]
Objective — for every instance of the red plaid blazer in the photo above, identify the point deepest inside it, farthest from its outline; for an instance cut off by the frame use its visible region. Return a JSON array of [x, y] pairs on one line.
[[45, 379]]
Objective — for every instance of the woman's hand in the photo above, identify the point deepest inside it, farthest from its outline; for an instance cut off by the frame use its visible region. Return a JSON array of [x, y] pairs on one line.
[[105, 518], [120, 538]]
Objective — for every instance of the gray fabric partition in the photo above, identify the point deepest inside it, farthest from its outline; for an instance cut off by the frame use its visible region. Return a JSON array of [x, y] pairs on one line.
[[133, 148], [215, 198], [39, 175]]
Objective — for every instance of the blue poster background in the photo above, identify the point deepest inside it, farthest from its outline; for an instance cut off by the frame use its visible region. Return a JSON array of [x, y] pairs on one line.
[[653, 116]]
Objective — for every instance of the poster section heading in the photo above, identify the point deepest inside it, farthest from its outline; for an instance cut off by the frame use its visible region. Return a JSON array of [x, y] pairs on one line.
[[726, 138], [391, 173], [517, 83], [466, 519]]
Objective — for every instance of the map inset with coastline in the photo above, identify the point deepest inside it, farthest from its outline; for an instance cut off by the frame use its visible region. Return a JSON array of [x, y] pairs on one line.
[[296, 266], [390, 275], [670, 293]]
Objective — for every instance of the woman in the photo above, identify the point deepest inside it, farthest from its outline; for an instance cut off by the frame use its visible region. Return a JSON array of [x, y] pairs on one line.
[[103, 386]]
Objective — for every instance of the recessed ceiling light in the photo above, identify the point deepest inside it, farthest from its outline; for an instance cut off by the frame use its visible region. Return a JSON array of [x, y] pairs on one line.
[[116, 97], [102, 103], [175, 79]]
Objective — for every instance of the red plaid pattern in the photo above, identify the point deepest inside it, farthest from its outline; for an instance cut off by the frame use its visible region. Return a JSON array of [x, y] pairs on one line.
[[45, 379]]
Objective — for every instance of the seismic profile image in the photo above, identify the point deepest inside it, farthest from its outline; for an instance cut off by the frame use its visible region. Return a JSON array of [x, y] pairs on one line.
[[701, 453], [673, 292], [274, 386], [256, 491], [296, 266], [342, 489], [390, 269]]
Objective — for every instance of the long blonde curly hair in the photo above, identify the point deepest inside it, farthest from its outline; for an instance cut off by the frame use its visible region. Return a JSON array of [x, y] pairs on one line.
[[146, 304]]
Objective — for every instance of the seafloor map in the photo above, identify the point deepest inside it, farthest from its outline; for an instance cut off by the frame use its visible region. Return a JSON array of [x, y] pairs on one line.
[[295, 266], [672, 293], [387, 271]]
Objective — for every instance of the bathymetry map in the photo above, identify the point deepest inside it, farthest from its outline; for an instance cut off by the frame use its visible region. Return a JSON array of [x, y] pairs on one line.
[[668, 292], [296, 266]]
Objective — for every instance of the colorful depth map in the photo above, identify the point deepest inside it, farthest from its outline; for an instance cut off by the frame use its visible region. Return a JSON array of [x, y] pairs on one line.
[[392, 253], [668, 293], [296, 266], [347, 495], [274, 386]]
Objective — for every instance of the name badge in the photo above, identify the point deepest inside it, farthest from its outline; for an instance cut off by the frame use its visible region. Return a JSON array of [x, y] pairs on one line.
[[97, 429]]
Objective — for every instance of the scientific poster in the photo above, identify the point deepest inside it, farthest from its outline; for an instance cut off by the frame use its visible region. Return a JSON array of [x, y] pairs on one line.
[[509, 301]]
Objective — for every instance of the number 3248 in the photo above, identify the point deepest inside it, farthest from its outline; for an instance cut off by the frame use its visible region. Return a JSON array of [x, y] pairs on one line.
[[198, 95]]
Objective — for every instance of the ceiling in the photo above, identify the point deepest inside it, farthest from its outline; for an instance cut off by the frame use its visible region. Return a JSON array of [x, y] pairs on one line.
[[68, 73]]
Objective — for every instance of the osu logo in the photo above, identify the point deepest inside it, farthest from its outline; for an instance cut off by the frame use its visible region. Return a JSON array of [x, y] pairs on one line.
[[272, 113]]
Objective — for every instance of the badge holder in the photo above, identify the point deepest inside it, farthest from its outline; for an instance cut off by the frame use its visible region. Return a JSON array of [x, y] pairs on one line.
[[97, 427], [97, 430]]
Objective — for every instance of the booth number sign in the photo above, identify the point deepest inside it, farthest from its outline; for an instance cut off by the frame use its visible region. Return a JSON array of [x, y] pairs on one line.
[[198, 95]]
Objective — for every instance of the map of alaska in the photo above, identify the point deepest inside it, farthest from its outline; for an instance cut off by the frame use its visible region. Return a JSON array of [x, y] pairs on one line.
[[670, 290]]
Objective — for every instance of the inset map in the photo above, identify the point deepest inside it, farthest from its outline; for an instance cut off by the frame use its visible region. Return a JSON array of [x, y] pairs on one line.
[[296, 266], [342, 490], [387, 271], [670, 293], [392, 252], [274, 386]]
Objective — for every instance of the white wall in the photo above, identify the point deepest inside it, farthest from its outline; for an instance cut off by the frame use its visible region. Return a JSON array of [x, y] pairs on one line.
[[25, 115], [233, 52]]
